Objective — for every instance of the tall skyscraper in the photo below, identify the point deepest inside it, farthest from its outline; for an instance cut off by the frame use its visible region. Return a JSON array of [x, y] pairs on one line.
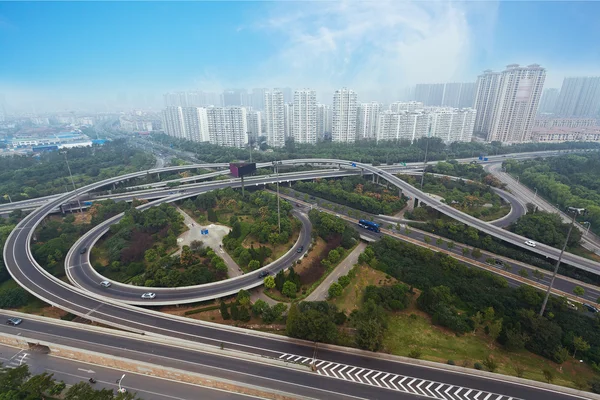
[[579, 97], [173, 122], [516, 104], [227, 126], [344, 116], [368, 113], [323, 121], [196, 124], [189, 123], [288, 120], [548, 101], [273, 109], [487, 89], [254, 122], [305, 116], [430, 94]]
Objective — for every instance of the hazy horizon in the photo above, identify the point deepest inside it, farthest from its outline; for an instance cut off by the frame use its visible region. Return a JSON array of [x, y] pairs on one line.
[[69, 56]]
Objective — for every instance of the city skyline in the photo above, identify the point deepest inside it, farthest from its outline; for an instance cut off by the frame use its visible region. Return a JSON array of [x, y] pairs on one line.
[[290, 46]]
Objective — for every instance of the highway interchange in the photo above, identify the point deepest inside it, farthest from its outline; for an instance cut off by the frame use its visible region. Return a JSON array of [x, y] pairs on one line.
[[29, 274]]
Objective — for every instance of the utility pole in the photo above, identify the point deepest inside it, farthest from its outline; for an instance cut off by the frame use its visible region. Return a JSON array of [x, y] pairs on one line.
[[72, 181], [575, 212]]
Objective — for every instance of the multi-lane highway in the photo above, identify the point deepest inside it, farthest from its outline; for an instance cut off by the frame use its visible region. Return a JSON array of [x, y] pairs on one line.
[[26, 271]]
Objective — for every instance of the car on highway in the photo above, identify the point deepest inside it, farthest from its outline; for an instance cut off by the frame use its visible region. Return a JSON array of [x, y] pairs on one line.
[[82, 251], [300, 249], [530, 243], [263, 274], [590, 308], [148, 295], [14, 321], [105, 284]]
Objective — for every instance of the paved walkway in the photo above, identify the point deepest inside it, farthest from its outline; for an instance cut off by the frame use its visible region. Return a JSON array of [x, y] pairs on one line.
[[257, 293], [212, 240], [321, 292]]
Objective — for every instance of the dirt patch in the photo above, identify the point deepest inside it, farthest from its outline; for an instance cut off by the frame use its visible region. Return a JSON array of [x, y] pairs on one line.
[[365, 276], [83, 218], [310, 269], [50, 312]]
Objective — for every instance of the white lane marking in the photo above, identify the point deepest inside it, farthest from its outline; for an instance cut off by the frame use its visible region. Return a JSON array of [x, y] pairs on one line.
[[430, 391], [321, 362], [477, 395], [410, 383], [488, 396], [340, 371], [297, 358], [283, 355], [392, 383], [383, 380], [366, 376], [349, 373], [400, 383], [467, 394], [332, 370], [375, 376]]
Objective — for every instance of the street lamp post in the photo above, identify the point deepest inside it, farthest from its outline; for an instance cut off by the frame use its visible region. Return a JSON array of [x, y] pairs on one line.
[[9, 199], [576, 212], [425, 162], [589, 224], [535, 194], [277, 183], [72, 181]]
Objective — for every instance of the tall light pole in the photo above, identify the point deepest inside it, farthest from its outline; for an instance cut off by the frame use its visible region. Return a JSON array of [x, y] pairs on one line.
[[277, 182], [535, 194], [576, 212], [9, 199], [425, 161], [589, 224], [72, 181]]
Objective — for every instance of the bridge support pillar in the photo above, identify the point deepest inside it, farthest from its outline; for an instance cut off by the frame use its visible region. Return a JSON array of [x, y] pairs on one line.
[[410, 205]]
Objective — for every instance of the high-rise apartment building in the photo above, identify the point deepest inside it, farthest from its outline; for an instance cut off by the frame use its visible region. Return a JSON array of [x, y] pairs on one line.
[[487, 89], [344, 116], [516, 104], [274, 110], [323, 121], [403, 125], [227, 126], [579, 97], [189, 123], [406, 106], [305, 116], [430, 94], [288, 120], [366, 125], [548, 101], [196, 124], [191, 99], [455, 94], [254, 122], [452, 124]]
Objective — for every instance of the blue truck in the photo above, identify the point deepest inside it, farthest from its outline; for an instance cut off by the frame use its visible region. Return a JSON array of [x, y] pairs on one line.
[[370, 225]]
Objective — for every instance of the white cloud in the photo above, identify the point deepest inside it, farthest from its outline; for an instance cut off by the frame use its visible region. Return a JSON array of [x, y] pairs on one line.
[[374, 47]]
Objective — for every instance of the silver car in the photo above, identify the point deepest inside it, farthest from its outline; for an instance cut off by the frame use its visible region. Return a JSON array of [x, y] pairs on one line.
[[148, 295]]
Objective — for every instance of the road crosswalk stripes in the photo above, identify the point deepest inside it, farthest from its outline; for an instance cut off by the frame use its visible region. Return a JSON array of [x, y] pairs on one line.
[[391, 381]]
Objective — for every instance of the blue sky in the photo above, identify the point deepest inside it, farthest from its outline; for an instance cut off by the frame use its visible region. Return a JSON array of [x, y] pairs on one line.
[[87, 51]]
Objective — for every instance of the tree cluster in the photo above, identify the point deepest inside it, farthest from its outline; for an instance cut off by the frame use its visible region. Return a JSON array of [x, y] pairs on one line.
[[328, 226], [26, 177], [355, 192], [569, 181], [315, 321], [546, 228], [461, 233], [382, 152], [466, 299]]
